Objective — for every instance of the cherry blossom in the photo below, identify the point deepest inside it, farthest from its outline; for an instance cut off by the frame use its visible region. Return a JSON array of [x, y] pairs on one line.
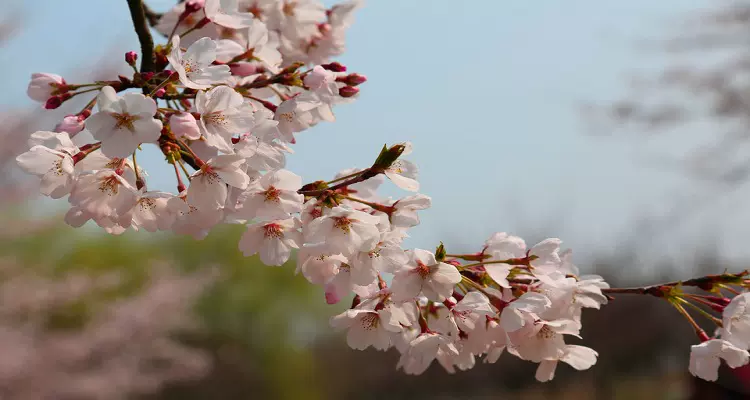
[[191, 220], [223, 115], [226, 13], [261, 154], [123, 123], [384, 256], [344, 230], [318, 263], [423, 350], [578, 357], [44, 85], [104, 194], [194, 65], [424, 274], [208, 187], [272, 240], [274, 195], [404, 213], [294, 116], [151, 211], [55, 166], [523, 309], [71, 124], [403, 172], [369, 327], [184, 125], [736, 321], [706, 357], [542, 340]]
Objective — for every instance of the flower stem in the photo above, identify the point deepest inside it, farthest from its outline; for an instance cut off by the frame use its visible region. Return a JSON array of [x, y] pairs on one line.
[[703, 312], [376, 206], [138, 180], [161, 85], [470, 257], [473, 284], [180, 184], [698, 330], [182, 165], [510, 261], [346, 177], [198, 161]]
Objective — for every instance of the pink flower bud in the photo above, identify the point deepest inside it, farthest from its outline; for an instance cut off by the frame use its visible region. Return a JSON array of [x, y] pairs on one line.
[[245, 69], [160, 93], [53, 102], [146, 76], [324, 28], [318, 78], [43, 86], [355, 79], [192, 6], [335, 67], [131, 57], [72, 124], [348, 91], [184, 125], [166, 74]]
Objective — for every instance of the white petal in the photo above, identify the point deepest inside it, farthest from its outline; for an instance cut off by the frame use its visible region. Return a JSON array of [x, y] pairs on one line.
[[546, 370]]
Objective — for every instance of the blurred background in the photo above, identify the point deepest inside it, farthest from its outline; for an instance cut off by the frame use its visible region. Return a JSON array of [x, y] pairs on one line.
[[620, 127]]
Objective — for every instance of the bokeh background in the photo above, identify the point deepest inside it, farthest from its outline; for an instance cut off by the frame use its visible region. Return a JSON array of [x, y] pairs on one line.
[[619, 127]]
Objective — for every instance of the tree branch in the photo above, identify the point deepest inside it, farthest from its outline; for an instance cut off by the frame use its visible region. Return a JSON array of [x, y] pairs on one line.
[[704, 282], [140, 23]]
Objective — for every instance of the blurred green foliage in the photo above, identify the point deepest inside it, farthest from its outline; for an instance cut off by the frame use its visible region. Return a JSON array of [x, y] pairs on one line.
[[257, 320]]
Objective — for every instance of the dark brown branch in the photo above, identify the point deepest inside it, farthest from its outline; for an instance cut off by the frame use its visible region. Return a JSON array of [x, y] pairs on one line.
[[140, 23]]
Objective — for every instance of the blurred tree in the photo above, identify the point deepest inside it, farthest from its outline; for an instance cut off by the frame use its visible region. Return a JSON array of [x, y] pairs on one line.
[[702, 99]]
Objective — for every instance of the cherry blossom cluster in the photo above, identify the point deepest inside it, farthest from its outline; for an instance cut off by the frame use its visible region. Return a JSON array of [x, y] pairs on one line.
[[106, 357], [227, 99], [223, 99]]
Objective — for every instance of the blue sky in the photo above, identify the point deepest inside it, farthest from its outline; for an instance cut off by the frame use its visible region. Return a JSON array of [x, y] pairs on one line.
[[488, 92]]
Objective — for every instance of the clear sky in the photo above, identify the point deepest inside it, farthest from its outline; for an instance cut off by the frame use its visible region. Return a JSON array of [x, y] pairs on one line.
[[488, 92]]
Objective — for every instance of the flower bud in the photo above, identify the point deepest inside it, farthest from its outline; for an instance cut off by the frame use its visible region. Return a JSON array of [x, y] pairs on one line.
[[291, 68], [166, 74], [245, 69], [324, 28], [185, 126], [192, 6], [53, 102], [202, 23], [388, 155], [440, 252], [146, 76], [72, 124], [352, 79], [335, 67], [159, 93], [348, 91], [43, 86], [124, 80], [130, 58]]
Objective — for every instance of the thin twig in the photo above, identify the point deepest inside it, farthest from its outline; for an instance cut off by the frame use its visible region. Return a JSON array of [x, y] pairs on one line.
[[701, 282]]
